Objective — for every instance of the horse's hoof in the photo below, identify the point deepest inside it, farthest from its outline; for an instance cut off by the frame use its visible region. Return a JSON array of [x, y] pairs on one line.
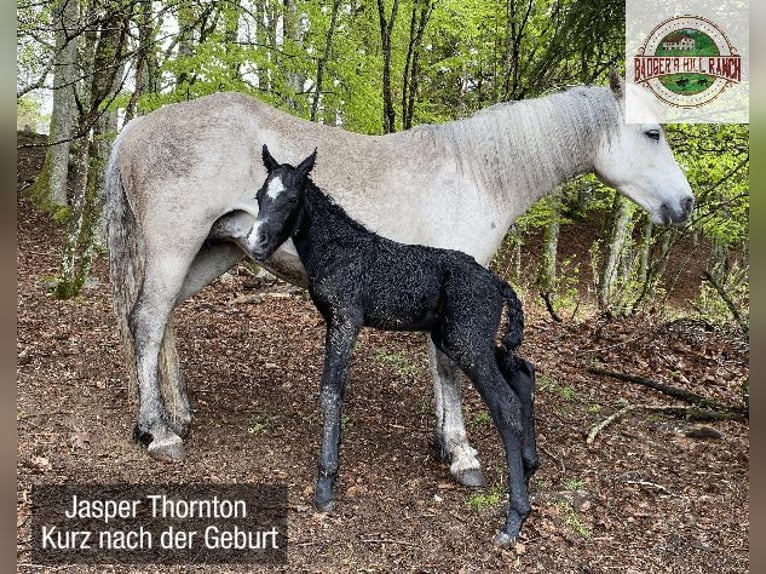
[[142, 437], [180, 428], [167, 450], [324, 505], [440, 451], [504, 539], [472, 477]]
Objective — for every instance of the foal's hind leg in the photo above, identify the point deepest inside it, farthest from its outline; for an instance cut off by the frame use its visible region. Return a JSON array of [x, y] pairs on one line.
[[506, 412], [520, 375], [451, 439]]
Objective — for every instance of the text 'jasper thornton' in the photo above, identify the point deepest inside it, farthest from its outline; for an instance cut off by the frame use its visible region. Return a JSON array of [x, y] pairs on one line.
[[160, 506]]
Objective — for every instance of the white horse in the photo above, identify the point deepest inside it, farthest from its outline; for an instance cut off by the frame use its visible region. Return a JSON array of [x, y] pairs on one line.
[[459, 185]]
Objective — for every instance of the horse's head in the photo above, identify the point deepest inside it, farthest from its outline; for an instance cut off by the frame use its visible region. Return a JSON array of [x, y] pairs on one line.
[[637, 161], [280, 202]]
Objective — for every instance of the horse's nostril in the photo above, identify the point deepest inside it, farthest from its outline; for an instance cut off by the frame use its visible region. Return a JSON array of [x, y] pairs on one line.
[[665, 214], [687, 205]]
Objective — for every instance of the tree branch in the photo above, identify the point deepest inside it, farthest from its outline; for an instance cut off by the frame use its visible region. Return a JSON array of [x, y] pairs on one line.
[[675, 392]]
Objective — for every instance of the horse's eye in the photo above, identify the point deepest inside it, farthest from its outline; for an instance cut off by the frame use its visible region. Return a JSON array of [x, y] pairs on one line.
[[653, 134]]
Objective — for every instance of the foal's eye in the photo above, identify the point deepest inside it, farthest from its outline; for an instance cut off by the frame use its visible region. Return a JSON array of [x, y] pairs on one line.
[[653, 135]]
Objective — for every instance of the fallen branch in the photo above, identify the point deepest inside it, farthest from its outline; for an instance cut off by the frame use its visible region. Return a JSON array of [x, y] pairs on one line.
[[726, 299], [549, 305], [688, 396], [688, 413], [605, 423]]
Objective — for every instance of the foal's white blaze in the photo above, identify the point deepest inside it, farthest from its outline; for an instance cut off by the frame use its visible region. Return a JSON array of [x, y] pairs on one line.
[[275, 188], [254, 237]]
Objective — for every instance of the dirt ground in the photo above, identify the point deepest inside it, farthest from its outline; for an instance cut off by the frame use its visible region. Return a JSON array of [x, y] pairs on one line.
[[652, 493]]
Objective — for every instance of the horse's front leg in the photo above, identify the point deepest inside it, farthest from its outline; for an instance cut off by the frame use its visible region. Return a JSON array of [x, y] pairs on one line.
[[451, 439], [339, 344]]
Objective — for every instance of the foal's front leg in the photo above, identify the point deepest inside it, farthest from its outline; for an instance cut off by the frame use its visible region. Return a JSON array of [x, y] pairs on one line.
[[339, 344]]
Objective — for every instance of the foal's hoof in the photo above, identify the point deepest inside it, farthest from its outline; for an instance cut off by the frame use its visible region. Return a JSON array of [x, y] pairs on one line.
[[504, 539], [167, 450], [472, 477]]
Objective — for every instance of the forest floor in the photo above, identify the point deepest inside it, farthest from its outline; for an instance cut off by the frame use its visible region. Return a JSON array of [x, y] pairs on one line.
[[651, 493]]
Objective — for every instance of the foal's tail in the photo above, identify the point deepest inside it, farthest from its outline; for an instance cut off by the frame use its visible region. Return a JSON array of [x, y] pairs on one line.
[[514, 331], [126, 255]]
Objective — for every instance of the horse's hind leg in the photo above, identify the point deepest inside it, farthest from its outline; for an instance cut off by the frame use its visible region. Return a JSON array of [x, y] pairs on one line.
[[210, 262], [173, 383], [451, 438], [148, 321]]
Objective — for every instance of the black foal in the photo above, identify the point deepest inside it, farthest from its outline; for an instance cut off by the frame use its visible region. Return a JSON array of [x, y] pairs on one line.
[[357, 278]]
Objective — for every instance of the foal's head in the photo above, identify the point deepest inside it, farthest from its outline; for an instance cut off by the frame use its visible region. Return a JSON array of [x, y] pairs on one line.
[[280, 202]]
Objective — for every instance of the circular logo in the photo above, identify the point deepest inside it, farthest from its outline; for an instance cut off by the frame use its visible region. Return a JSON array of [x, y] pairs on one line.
[[687, 61]]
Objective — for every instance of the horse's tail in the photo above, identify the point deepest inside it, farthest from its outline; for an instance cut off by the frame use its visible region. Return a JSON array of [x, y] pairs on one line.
[[126, 255]]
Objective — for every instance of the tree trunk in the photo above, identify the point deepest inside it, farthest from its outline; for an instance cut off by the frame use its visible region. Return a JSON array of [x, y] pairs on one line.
[[546, 277], [322, 63], [293, 40], [104, 69], [619, 233], [51, 189], [146, 60], [418, 23], [186, 23], [386, 30]]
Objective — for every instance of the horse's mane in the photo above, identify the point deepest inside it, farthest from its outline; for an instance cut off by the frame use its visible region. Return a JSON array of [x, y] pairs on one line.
[[536, 143]]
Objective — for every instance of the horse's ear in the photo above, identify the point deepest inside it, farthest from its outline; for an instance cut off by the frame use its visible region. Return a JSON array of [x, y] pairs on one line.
[[616, 83], [307, 164], [270, 163]]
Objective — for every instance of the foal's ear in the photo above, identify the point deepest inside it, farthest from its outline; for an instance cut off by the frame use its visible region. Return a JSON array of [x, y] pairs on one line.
[[307, 164], [270, 163], [616, 83]]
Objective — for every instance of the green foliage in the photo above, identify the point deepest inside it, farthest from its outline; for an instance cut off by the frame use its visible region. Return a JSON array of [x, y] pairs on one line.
[[484, 502], [29, 114], [400, 362]]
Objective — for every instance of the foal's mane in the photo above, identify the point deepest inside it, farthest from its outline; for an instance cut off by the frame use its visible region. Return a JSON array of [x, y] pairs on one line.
[[324, 206]]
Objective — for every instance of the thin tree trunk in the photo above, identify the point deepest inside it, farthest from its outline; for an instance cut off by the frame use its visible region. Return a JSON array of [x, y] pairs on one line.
[[619, 230], [53, 183], [386, 30], [322, 63], [231, 13], [186, 22], [146, 60], [104, 68], [293, 34], [418, 23]]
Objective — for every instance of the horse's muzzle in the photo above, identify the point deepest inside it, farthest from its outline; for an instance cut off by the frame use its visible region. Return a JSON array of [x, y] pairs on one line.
[[673, 216]]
